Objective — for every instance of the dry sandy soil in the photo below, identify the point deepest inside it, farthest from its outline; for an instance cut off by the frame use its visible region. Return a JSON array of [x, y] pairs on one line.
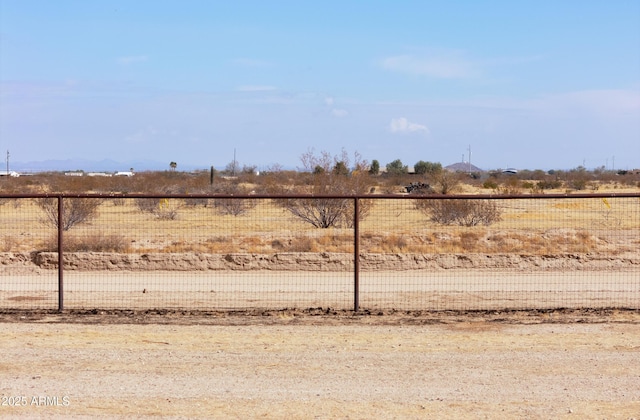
[[306, 364]]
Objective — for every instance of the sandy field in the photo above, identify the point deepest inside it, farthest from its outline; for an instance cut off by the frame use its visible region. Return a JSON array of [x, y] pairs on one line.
[[561, 365]]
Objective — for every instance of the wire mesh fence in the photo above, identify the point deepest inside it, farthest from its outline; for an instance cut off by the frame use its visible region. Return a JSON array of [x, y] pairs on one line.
[[210, 252]]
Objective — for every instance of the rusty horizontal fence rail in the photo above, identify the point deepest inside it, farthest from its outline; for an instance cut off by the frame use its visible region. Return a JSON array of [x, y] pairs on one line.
[[546, 251]]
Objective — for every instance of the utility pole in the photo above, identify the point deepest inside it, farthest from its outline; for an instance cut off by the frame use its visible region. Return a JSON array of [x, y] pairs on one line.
[[469, 158], [7, 163]]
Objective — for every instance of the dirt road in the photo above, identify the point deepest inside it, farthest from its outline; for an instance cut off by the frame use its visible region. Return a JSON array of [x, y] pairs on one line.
[[404, 290], [287, 366]]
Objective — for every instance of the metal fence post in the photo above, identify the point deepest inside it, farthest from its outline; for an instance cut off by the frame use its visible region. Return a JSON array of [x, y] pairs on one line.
[[356, 254], [60, 256]]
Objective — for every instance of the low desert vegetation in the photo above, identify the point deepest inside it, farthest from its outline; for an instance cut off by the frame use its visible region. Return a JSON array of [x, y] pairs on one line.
[[462, 212], [93, 242], [75, 211], [219, 224]]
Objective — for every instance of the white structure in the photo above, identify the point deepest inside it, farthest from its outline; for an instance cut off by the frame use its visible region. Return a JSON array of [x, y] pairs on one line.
[[9, 173], [124, 173]]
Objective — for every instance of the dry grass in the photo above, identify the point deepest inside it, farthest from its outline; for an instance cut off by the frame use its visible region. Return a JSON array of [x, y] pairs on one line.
[[393, 226], [95, 242]]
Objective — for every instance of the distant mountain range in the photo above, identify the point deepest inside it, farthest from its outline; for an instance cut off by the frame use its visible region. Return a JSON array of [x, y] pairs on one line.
[[106, 165]]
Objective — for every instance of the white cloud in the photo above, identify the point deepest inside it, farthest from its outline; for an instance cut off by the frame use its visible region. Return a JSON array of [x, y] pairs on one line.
[[131, 59], [328, 101], [402, 125], [448, 65], [340, 113], [256, 88]]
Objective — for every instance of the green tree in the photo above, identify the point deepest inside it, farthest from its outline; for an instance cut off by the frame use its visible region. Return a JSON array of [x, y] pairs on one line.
[[340, 168], [427, 168], [374, 169], [433, 168], [396, 168], [173, 166], [420, 168]]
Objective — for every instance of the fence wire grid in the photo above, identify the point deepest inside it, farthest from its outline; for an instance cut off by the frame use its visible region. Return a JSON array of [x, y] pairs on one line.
[[359, 252]]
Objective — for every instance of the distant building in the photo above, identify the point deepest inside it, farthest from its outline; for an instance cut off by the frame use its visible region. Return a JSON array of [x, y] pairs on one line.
[[124, 173], [9, 173]]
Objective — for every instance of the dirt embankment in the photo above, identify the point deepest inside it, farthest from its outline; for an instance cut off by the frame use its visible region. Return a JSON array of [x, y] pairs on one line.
[[91, 261]]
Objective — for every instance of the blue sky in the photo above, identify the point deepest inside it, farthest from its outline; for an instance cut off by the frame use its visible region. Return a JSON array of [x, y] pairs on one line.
[[526, 84]]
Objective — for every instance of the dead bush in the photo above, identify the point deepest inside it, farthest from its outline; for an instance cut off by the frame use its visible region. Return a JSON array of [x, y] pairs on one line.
[[329, 175], [234, 206], [463, 212], [75, 211], [147, 205]]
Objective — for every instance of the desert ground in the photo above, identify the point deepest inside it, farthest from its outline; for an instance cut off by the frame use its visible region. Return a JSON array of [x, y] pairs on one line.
[[273, 354], [554, 364]]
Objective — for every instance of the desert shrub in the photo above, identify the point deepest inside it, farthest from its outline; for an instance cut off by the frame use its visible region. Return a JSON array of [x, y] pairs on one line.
[[511, 186], [490, 183], [549, 184], [147, 205], [318, 212], [578, 184], [469, 240], [301, 244], [445, 182], [234, 206], [167, 209], [323, 212], [98, 242], [75, 211], [119, 201], [396, 243], [463, 212], [8, 243], [162, 208], [195, 202]]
